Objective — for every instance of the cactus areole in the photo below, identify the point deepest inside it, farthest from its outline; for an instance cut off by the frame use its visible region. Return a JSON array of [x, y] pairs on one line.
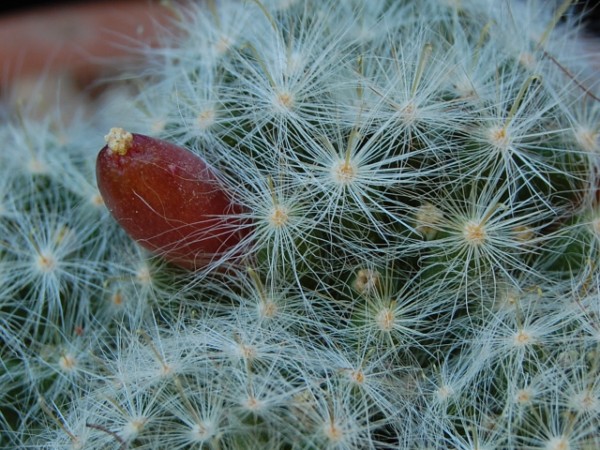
[[166, 198]]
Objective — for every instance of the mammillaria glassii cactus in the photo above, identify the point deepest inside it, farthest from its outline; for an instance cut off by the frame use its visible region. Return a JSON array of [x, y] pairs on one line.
[[417, 261]]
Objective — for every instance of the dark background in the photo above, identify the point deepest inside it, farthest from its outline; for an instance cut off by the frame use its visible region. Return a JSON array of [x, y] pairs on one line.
[[23, 5], [591, 10]]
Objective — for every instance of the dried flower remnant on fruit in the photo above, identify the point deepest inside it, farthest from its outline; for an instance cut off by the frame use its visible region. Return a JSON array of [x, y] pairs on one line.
[[118, 141]]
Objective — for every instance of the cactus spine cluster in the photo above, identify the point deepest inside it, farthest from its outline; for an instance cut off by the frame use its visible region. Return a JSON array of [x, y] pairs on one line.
[[421, 192]]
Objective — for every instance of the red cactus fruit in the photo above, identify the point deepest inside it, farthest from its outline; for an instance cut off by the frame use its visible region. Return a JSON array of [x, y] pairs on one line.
[[167, 198]]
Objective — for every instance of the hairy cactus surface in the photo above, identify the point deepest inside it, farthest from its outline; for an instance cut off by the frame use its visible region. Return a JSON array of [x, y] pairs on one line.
[[402, 250]]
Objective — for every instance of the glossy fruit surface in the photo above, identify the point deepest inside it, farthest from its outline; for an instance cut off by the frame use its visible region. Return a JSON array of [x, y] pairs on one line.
[[166, 198]]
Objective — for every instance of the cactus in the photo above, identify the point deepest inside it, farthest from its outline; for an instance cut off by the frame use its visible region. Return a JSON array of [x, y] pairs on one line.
[[417, 228]]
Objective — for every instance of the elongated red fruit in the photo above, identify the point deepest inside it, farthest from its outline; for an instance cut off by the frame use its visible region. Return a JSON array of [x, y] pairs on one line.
[[166, 198]]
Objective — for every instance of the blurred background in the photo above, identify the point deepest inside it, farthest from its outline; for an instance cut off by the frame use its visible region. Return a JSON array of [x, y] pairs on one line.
[[69, 45], [60, 50], [74, 35]]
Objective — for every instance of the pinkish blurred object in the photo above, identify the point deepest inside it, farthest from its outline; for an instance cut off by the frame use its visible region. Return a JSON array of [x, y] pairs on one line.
[[81, 40]]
